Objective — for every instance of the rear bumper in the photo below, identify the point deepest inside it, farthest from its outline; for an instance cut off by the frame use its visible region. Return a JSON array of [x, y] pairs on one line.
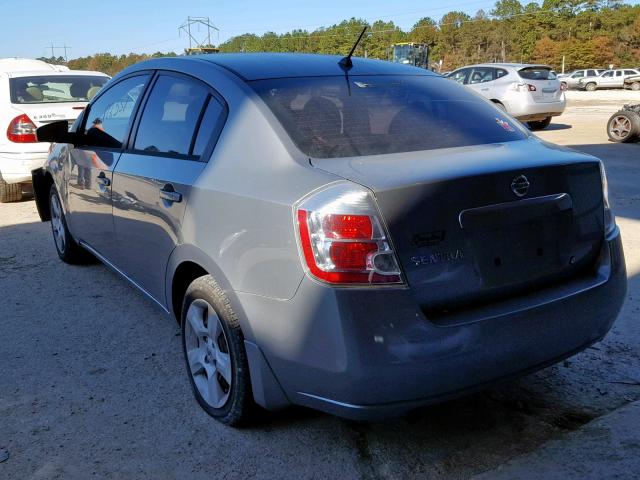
[[17, 167], [366, 354], [538, 111]]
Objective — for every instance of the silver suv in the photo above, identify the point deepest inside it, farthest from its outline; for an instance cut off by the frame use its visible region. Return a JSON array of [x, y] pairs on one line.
[[572, 79], [361, 238], [531, 93]]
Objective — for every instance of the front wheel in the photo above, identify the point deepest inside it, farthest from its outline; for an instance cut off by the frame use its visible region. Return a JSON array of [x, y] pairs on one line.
[[539, 124], [213, 347], [68, 250], [590, 87], [623, 126]]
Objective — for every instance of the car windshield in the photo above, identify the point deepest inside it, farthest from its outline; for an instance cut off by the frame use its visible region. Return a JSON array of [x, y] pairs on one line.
[[55, 88], [537, 73], [402, 54], [342, 116]]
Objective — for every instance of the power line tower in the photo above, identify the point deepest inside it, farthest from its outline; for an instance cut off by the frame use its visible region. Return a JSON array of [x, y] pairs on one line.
[[199, 43], [53, 48]]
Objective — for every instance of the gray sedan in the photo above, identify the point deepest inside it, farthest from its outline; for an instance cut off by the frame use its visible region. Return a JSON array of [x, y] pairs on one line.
[[359, 237]]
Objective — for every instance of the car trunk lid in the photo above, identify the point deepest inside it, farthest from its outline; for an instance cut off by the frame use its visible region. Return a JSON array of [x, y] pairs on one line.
[[474, 224]]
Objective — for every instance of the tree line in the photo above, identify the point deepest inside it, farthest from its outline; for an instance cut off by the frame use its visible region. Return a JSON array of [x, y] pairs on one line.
[[585, 33]]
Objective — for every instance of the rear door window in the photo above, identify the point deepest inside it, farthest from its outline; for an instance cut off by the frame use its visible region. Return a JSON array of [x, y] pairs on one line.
[[500, 72], [108, 118], [210, 125], [481, 75], [537, 73], [171, 115]]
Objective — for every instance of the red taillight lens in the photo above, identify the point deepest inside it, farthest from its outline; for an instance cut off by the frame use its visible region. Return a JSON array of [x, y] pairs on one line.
[[345, 248], [532, 88], [563, 86], [347, 226], [22, 130]]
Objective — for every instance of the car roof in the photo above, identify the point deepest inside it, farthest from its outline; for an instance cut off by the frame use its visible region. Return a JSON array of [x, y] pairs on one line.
[[261, 66], [50, 73]]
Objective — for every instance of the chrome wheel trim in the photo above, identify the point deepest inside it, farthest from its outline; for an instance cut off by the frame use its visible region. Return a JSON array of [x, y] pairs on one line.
[[207, 351], [57, 224], [620, 127]]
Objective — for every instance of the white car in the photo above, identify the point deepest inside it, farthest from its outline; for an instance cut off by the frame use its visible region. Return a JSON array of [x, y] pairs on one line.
[[607, 79], [530, 93], [34, 93]]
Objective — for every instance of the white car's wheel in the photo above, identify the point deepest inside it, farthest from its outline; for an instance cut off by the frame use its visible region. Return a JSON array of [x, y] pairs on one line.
[[590, 87]]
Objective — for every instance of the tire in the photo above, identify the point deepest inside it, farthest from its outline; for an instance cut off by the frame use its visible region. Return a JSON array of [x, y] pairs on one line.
[[10, 192], [68, 249], [623, 126], [590, 87], [539, 124], [635, 86], [213, 348]]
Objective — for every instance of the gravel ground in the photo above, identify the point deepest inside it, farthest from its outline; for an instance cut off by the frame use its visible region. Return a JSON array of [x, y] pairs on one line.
[[93, 385]]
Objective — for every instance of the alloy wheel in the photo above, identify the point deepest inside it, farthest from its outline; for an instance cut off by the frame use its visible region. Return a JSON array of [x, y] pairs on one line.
[[207, 353], [57, 224], [620, 127]]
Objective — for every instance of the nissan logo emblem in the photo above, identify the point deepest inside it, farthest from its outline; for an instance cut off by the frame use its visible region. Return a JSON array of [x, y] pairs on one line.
[[520, 186]]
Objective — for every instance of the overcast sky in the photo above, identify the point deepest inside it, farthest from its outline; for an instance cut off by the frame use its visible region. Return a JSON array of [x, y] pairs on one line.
[[117, 26]]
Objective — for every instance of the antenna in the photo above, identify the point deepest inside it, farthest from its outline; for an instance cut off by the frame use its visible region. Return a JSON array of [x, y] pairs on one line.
[[346, 62]]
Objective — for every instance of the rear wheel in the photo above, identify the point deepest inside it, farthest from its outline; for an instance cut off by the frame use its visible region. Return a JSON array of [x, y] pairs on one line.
[[590, 87], [623, 126], [635, 86], [539, 124], [68, 250], [213, 347], [10, 192]]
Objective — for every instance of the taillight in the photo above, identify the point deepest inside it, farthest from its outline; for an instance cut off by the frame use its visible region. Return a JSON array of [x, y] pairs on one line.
[[532, 88], [343, 239], [563, 86], [22, 130]]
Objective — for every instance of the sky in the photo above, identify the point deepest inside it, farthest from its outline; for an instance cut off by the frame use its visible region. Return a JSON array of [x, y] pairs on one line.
[[144, 26]]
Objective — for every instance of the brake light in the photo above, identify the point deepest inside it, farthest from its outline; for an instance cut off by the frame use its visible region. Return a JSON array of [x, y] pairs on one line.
[[342, 238], [563, 86], [532, 88], [22, 130]]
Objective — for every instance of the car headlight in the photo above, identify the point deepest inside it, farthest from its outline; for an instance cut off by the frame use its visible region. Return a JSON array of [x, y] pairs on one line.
[[609, 218]]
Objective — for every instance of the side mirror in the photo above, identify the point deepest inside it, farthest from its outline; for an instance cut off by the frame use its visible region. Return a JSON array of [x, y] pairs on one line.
[[56, 132]]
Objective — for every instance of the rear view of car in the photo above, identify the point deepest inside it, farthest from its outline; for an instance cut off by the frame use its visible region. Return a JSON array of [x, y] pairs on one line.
[[385, 240], [32, 94], [531, 93]]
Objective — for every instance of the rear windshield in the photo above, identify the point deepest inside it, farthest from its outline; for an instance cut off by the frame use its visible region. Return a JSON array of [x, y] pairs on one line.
[[341, 116], [537, 73], [55, 88]]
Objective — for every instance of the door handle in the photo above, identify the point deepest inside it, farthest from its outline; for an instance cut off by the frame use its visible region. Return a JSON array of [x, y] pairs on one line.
[[169, 194], [102, 180]]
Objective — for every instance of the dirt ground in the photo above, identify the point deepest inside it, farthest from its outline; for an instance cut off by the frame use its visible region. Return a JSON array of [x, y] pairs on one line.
[[92, 383]]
